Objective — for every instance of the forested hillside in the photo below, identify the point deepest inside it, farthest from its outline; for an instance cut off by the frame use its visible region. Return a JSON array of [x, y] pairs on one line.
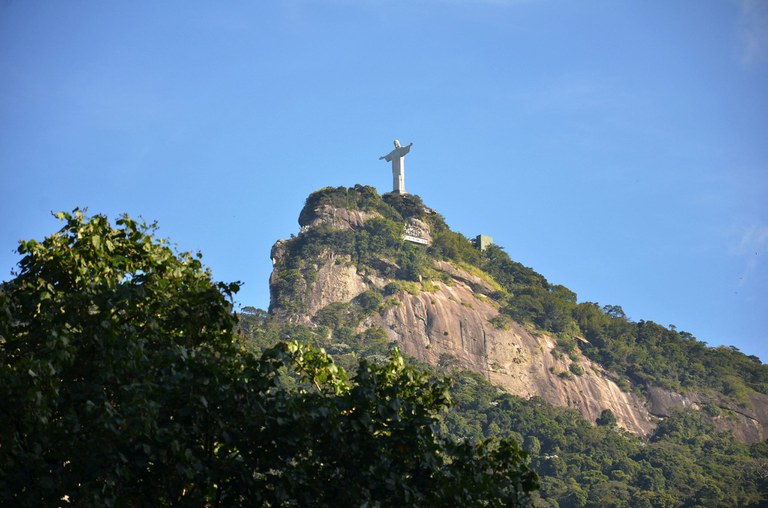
[[685, 461], [638, 351]]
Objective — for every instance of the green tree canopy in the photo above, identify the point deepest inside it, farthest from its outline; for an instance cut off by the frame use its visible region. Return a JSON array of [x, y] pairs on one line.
[[122, 384]]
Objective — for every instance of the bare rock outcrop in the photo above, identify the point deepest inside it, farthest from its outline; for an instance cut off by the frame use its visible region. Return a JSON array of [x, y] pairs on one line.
[[335, 281], [663, 403], [451, 326], [340, 218], [747, 422]]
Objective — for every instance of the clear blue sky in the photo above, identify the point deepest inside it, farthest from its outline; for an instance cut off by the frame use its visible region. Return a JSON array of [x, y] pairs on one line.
[[620, 148]]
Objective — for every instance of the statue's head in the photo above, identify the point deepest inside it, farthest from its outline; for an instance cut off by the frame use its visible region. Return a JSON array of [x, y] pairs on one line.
[[397, 144]]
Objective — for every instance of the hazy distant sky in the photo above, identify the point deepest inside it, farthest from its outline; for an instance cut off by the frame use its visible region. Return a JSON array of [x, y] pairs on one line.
[[620, 148]]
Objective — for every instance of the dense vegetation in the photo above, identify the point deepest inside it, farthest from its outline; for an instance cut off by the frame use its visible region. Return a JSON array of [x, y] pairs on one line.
[[685, 462], [640, 353], [123, 383]]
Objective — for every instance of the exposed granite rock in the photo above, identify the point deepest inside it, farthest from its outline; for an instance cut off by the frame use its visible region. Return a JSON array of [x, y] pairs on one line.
[[336, 281], [453, 321], [749, 424], [663, 403], [277, 253], [340, 218]]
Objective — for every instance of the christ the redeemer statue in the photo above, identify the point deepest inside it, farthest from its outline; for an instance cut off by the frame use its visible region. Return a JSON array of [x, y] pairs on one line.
[[396, 156]]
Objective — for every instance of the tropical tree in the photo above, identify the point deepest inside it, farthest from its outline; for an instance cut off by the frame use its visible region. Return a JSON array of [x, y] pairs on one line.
[[123, 383]]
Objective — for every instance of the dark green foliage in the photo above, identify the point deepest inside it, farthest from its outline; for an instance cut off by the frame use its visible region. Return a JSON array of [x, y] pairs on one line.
[[454, 246], [583, 465], [510, 274], [123, 384], [369, 301], [113, 351], [406, 205], [566, 344], [252, 326], [361, 197], [500, 322], [338, 315], [373, 442], [649, 353], [606, 418], [686, 462], [530, 297], [414, 264]]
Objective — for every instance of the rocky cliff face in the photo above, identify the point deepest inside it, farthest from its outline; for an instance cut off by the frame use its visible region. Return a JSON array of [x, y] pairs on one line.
[[748, 423], [454, 324], [340, 218], [451, 326]]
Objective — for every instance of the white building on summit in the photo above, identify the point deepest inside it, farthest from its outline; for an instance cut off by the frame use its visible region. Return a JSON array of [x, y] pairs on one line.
[[397, 157]]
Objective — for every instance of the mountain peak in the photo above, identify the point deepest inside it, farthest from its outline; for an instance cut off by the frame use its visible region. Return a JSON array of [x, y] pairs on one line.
[[388, 265]]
